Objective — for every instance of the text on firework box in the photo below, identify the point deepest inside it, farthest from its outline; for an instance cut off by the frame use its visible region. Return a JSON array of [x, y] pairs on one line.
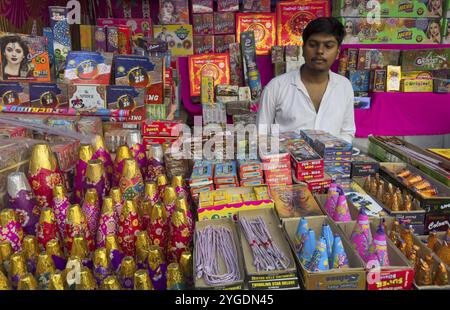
[[88, 68], [161, 128], [87, 96], [50, 95], [127, 98], [140, 27], [264, 27], [179, 38], [215, 65]]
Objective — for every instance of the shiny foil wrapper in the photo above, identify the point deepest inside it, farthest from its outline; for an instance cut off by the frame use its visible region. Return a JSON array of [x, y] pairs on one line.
[[6, 251], [17, 268], [131, 182], [116, 195], [151, 193], [138, 152], [156, 163], [181, 188], [31, 252], [157, 267], [95, 179], [44, 174], [48, 228], [169, 199], [126, 272], [111, 283], [423, 275], [101, 153], [73, 263], [11, 229], [142, 246], [181, 204], [441, 276], [159, 226], [22, 200], [175, 279], [102, 267], [60, 205], [91, 210], [54, 250], [4, 283], [45, 268], [186, 266], [129, 225], [108, 222], [162, 183], [145, 211], [180, 236], [85, 155], [142, 280], [76, 225], [123, 152], [115, 253], [57, 282], [27, 282], [80, 249], [87, 280]]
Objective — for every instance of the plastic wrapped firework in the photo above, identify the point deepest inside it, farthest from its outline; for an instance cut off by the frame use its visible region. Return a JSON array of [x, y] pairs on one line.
[[361, 236], [158, 229], [179, 237], [85, 155], [308, 247], [339, 257], [319, 259], [157, 267], [45, 268], [137, 148], [90, 125], [156, 163], [31, 252], [76, 225], [54, 250]]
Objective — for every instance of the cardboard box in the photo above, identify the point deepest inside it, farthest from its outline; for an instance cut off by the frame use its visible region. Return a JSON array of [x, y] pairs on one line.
[[256, 5], [236, 65], [181, 8], [200, 283], [88, 68], [140, 27], [425, 59], [264, 27], [362, 103], [202, 6], [178, 37], [15, 93], [227, 5], [369, 59], [224, 23], [215, 65], [203, 24], [112, 42], [393, 78], [161, 128], [52, 95], [139, 71], [359, 80], [276, 279], [318, 186], [251, 72], [62, 44], [127, 98], [441, 81], [363, 166], [436, 222], [378, 80], [203, 44], [416, 86], [353, 278], [222, 42], [87, 96]]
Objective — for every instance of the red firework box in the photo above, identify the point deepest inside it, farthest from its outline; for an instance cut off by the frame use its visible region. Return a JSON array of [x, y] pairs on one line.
[[306, 162], [148, 141], [224, 23], [319, 186], [161, 128], [203, 24], [203, 44], [215, 65], [264, 27], [140, 27], [292, 18], [222, 42]]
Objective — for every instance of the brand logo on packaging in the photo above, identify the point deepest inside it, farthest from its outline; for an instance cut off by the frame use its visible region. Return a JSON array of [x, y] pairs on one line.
[[182, 33], [48, 99], [429, 60], [406, 7], [405, 35], [437, 224]]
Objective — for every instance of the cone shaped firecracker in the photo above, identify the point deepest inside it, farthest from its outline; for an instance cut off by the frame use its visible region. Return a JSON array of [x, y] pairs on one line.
[[108, 221], [11, 229], [85, 154], [101, 153], [60, 206]]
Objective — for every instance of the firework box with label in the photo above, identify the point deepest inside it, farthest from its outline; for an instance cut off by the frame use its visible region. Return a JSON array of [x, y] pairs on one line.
[[328, 145], [161, 128], [361, 102], [377, 81], [225, 173], [127, 98], [322, 199], [157, 112], [416, 85], [369, 59], [215, 65], [256, 5], [61, 37], [140, 27], [317, 186], [437, 222], [227, 90], [222, 42], [178, 37], [202, 6], [225, 203], [112, 39], [224, 23], [202, 174], [15, 93], [399, 275], [85, 67], [100, 41], [141, 71], [249, 166], [264, 27], [227, 5], [294, 201], [52, 95], [48, 33], [251, 72], [203, 44], [359, 80], [358, 198], [363, 165], [207, 90], [148, 141], [236, 65], [180, 14], [203, 24], [34, 65], [199, 282], [86, 97], [292, 18], [286, 278], [87, 38], [395, 30], [306, 162], [9, 132], [352, 278], [441, 81]]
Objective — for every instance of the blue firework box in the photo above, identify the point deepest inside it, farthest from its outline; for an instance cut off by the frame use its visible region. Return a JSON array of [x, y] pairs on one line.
[[14, 93], [202, 174], [49, 95], [127, 98], [84, 67], [362, 102], [328, 144], [359, 80], [138, 71], [225, 172]]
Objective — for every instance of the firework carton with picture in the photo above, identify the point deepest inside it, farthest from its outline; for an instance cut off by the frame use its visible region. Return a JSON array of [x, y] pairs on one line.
[[256, 5], [222, 42], [425, 59], [251, 72], [224, 23], [88, 68], [215, 65], [173, 12], [203, 24], [61, 38], [140, 27], [227, 5], [49, 95], [87, 97], [14, 93], [264, 27], [203, 44], [202, 6], [179, 38], [127, 98]]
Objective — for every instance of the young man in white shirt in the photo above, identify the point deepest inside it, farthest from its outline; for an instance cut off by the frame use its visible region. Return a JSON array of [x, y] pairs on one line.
[[315, 97]]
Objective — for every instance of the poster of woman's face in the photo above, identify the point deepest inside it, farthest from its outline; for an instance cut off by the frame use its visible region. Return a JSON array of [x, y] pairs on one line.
[[435, 7], [434, 31], [14, 56]]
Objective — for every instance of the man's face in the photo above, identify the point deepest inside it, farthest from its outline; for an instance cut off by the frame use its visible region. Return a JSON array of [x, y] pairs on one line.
[[320, 51]]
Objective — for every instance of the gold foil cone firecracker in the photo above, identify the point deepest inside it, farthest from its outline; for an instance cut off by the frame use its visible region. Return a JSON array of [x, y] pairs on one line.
[[53, 249], [131, 182], [158, 229], [186, 267], [48, 228], [142, 280], [108, 221], [87, 281], [101, 153], [116, 195], [57, 282], [122, 153], [175, 279], [91, 210], [6, 251], [169, 199], [44, 269], [4, 283], [111, 283], [27, 282], [161, 182], [60, 206], [115, 254], [180, 236], [142, 246], [17, 268], [76, 225], [102, 267], [96, 179], [31, 252], [126, 272], [441, 277], [85, 155], [157, 267]]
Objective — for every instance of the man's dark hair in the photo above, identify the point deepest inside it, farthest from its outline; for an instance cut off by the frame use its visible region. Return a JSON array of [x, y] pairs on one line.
[[328, 25]]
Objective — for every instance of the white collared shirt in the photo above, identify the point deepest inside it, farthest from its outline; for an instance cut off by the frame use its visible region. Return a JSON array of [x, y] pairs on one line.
[[286, 102]]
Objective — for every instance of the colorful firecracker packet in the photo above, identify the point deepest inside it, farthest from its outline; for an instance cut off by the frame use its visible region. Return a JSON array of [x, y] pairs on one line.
[[96, 179], [137, 148], [118, 201], [180, 236], [142, 280], [215, 65], [162, 183], [131, 182], [88, 68], [76, 225], [115, 253], [361, 236], [181, 204], [179, 38], [44, 174], [173, 12], [22, 200], [126, 272], [102, 266], [44, 269], [61, 37], [203, 44], [59, 206], [300, 235], [155, 163], [157, 267], [158, 229], [111, 283], [181, 188], [91, 209], [341, 212], [53, 249], [203, 24], [85, 154], [169, 198], [100, 152], [11, 229], [264, 27], [222, 42], [108, 221], [122, 153], [308, 247], [142, 247], [47, 229], [319, 259], [224, 23], [338, 257], [129, 225]]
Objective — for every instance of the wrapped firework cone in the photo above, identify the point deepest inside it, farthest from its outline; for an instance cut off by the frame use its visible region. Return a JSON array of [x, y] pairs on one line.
[[380, 191], [432, 240], [96, 179], [367, 183], [407, 236], [181, 204], [76, 225], [142, 281], [44, 174], [91, 210], [380, 246], [23, 202], [137, 148], [129, 225], [156, 163], [47, 228], [126, 272], [157, 268], [85, 155], [186, 267], [332, 199], [327, 235], [423, 275], [342, 213], [10, 229], [151, 193], [398, 194], [169, 199], [80, 249], [300, 235], [108, 221], [180, 236], [394, 204], [441, 276], [72, 272], [54, 250], [181, 188], [162, 183], [319, 259], [145, 210], [101, 153], [159, 226], [408, 203], [373, 187], [308, 247], [102, 267], [111, 283], [142, 246], [175, 279], [361, 236], [123, 152], [44, 269], [116, 195], [115, 254], [27, 282], [17, 268], [339, 257], [4, 283], [6, 251], [444, 253], [87, 281], [131, 183], [57, 282], [60, 205], [31, 252]]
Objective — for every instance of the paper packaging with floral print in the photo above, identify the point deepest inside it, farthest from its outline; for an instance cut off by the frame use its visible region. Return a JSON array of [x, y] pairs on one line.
[[178, 37], [100, 39], [224, 23], [50, 95], [87, 96], [15, 93], [216, 65], [24, 58], [264, 27], [127, 98], [88, 68], [292, 18]]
